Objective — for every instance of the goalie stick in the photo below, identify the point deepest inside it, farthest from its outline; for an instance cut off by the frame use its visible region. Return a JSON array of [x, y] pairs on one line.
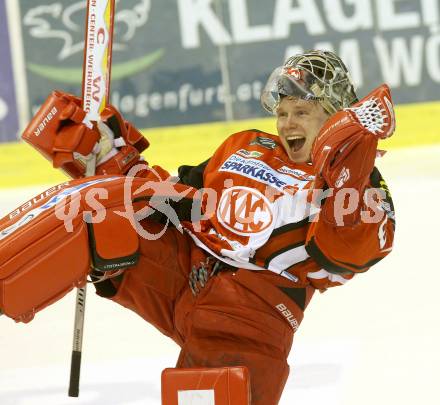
[[95, 94]]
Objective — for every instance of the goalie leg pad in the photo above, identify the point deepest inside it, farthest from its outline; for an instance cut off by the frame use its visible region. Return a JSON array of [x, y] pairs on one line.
[[47, 245], [39, 265], [42, 259]]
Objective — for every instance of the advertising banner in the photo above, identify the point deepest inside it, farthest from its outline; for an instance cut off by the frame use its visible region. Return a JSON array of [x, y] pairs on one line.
[[8, 104], [191, 61]]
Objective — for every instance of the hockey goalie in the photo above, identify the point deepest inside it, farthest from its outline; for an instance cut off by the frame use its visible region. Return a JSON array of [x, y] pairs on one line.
[[225, 257]]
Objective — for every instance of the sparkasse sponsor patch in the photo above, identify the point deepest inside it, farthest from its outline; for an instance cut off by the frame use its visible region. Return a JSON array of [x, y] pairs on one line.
[[260, 171]]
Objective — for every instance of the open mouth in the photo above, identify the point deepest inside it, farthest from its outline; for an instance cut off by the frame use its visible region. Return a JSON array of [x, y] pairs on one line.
[[296, 142]]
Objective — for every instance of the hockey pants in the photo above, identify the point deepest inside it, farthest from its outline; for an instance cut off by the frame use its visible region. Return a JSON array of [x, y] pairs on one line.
[[229, 322]]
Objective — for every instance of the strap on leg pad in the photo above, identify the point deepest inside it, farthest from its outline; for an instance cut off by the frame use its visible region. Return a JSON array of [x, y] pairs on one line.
[[113, 243]]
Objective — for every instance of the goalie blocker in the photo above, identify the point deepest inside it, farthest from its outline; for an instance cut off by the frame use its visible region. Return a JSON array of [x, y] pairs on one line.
[[61, 132], [48, 244]]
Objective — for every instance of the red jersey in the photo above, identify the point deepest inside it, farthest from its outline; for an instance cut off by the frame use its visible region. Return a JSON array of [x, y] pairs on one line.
[[258, 216]]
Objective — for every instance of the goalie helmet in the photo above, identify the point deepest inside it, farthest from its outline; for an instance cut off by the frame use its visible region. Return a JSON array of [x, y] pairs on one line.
[[314, 75]]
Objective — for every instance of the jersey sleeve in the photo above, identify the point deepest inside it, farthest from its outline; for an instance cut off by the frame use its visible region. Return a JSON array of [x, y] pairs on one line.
[[343, 251]]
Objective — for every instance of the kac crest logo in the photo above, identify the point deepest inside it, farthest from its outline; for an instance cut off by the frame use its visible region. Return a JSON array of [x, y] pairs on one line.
[[244, 211]]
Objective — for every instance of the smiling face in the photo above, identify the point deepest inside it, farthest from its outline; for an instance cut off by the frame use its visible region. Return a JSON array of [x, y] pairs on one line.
[[298, 124]]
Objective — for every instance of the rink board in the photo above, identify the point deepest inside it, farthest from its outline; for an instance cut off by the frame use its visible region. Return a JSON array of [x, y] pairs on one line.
[[170, 147]]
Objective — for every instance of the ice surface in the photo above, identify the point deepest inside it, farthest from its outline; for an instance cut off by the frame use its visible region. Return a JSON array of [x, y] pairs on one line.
[[372, 341]]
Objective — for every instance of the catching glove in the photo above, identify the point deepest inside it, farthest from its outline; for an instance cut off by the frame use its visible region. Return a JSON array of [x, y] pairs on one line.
[[344, 151]]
